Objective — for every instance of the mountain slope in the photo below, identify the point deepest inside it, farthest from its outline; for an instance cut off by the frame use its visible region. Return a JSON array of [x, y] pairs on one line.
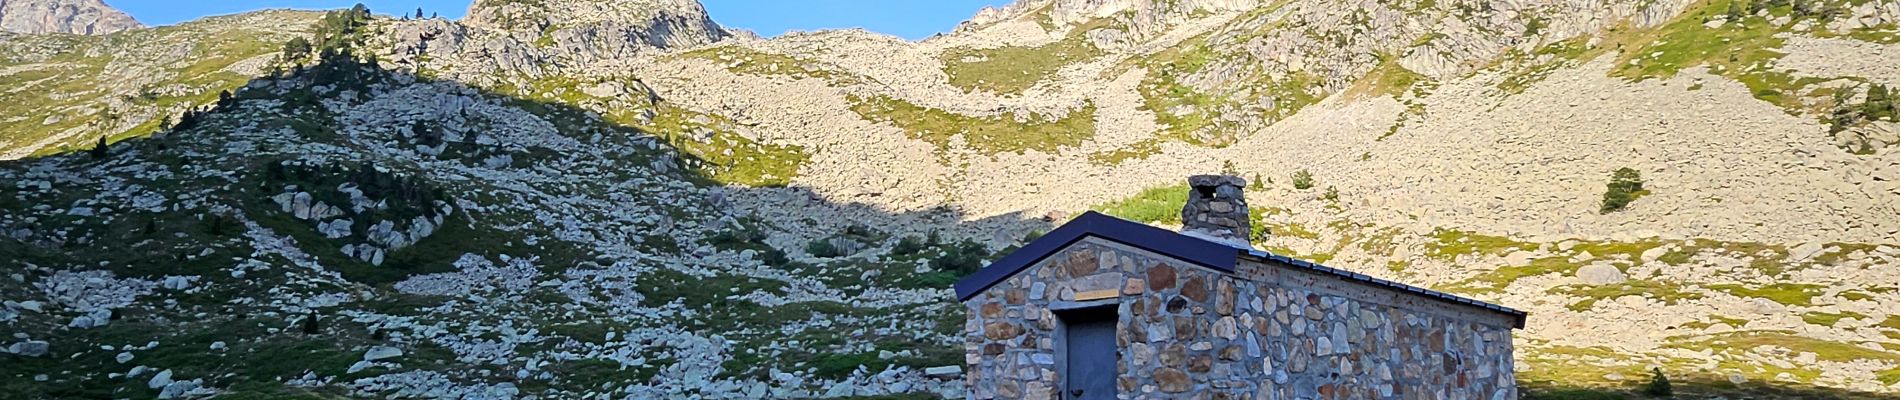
[[80, 17], [573, 198]]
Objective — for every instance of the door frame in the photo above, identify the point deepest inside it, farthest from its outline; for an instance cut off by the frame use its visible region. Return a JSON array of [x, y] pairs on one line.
[[1067, 310]]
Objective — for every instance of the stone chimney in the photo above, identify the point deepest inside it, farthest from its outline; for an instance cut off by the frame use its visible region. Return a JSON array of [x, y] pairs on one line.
[[1217, 210]]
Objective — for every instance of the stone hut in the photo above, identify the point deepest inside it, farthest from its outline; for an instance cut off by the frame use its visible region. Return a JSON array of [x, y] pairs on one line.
[[1104, 308]]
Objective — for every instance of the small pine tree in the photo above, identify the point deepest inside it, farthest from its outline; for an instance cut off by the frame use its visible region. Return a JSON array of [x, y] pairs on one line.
[[99, 151], [1879, 104], [1625, 186], [310, 326], [296, 48], [1736, 9], [1658, 385], [1302, 180], [418, 12]]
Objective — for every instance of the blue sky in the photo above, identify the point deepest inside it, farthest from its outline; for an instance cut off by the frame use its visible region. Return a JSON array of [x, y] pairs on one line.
[[912, 19]]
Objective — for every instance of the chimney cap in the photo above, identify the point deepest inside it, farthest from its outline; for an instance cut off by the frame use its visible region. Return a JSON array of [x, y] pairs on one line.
[[1216, 181]]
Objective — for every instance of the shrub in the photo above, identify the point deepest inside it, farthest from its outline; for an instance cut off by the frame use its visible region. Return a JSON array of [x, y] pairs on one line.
[[1625, 186], [822, 248], [310, 326], [296, 49], [1302, 180], [1332, 194], [217, 225], [1879, 104], [910, 245], [1658, 385], [99, 150], [963, 258]]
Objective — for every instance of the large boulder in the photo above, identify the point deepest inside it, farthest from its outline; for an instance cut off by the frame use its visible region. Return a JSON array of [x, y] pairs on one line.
[[1601, 274]]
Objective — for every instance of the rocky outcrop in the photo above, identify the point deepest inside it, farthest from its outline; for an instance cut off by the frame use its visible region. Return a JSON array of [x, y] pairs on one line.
[[595, 30], [82, 17]]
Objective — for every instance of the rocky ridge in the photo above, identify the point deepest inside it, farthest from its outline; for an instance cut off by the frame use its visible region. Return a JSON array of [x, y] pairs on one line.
[[79, 17]]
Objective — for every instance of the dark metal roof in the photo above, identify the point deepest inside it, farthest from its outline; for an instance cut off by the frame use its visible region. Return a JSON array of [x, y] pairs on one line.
[[1216, 256]]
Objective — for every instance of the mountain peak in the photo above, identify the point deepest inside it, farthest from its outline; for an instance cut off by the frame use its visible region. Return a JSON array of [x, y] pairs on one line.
[[83, 17], [600, 26]]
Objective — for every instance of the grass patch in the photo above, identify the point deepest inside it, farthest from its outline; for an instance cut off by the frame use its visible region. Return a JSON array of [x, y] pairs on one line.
[[1829, 319], [1153, 205], [1668, 293], [723, 153], [1743, 50], [1013, 70], [1794, 294], [1527, 69], [1389, 79], [1497, 280], [1823, 349], [749, 61], [1008, 132], [1452, 243]]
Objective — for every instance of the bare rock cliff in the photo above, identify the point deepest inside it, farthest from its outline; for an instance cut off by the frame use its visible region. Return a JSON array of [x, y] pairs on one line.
[[593, 30], [83, 17]]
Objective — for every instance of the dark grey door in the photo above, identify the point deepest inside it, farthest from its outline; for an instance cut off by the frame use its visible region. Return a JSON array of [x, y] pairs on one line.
[[1091, 355]]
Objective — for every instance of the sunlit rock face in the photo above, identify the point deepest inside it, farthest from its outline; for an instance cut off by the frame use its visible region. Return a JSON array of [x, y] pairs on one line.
[[82, 17]]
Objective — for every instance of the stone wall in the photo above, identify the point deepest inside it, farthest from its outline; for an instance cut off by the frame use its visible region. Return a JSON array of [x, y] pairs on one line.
[[1188, 331]]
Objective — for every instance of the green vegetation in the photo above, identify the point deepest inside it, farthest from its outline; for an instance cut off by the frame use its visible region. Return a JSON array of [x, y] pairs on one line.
[[1626, 185], [1389, 79], [1573, 394], [1889, 376], [745, 60], [1526, 69], [1193, 116], [1012, 70], [1245, 95], [1744, 48], [1876, 105], [725, 155], [1302, 180], [1794, 294], [1007, 132], [1828, 319], [1452, 243], [1823, 349], [1497, 280], [1153, 205], [1715, 319], [1658, 385], [712, 142], [65, 95], [1666, 292]]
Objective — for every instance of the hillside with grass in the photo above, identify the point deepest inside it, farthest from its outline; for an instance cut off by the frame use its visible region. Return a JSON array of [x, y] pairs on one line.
[[293, 204]]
